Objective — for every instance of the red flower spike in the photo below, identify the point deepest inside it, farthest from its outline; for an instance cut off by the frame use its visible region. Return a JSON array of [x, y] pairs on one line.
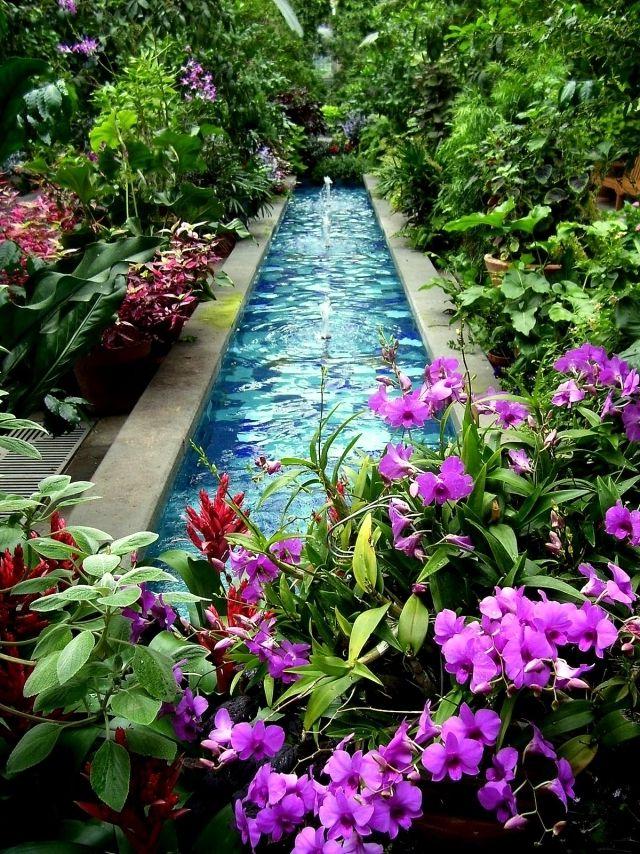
[[208, 528]]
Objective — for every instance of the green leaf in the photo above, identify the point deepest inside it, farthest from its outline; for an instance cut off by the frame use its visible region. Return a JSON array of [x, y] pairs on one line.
[[549, 583], [579, 751], [126, 545], [75, 655], [365, 566], [155, 673], [44, 675], [47, 547], [20, 447], [110, 771], [121, 598], [99, 564], [438, 560], [413, 624], [146, 742], [615, 728], [196, 574], [573, 715], [144, 574], [52, 639], [323, 696], [363, 627], [34, 746]]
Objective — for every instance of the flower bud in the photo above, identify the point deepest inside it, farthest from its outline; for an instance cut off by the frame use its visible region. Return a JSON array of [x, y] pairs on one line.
[[515, 823], [405, 382]]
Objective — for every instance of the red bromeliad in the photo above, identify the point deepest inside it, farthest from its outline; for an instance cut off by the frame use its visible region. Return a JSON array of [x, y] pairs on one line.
[[238, 613], [151, 801], [18, 622], [208, 529]]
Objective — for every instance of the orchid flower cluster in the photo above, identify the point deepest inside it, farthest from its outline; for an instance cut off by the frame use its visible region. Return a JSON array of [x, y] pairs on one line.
[[364, 794], [260, 569], [258, 634], [153, 611], [86, 47], [594, 374], [442, 385], [518, 640], [197, 82], [68, 6], [272, 165], [358, 795], [450, 483]]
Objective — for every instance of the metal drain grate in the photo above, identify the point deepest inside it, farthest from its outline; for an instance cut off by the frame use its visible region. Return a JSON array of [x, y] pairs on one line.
[[20, 476]]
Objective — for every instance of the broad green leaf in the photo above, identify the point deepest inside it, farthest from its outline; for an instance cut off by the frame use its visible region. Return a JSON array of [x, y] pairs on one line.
[[550, 583], [44, 675], [615, 728], [133, 542], [155, 673], [48, 547], [323, 696], [413, 624], [363, 627], [110, 772], [34, 746], [573, 715], [99, 564], [438, 560], [75, 655], [146, 742], [53, 639], [144, 574], [121, 598], [365, 565], [579, 751]]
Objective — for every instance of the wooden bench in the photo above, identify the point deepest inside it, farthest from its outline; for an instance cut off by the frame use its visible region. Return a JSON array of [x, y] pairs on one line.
[[624, 183]]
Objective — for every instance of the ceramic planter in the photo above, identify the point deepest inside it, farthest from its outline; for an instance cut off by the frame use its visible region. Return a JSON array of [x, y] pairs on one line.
[[113, 380]]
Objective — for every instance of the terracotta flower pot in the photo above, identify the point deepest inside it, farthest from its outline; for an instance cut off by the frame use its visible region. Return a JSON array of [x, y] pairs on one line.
[[498, 362], [113, 380], [496, 268]]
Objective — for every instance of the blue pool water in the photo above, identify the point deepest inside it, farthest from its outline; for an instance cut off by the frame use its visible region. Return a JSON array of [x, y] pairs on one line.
[[267, 397]]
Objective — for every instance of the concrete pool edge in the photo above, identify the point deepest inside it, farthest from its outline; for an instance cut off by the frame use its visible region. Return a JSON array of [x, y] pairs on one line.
[[429, 307], [138, 469]]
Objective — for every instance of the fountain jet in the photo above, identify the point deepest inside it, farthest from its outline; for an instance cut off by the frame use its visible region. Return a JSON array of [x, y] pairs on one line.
[[325, 314]]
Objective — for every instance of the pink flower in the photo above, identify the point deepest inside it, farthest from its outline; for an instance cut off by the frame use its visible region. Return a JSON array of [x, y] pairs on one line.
[[623, 524], [520, 461], [345, 815], [258, 741], [452, 758], [567, 394], [395, 464], [451, 484], [631, 421], [483, 725], [408, 411]]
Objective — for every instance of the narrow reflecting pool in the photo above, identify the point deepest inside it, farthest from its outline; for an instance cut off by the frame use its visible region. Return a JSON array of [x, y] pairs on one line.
[[326, 288]]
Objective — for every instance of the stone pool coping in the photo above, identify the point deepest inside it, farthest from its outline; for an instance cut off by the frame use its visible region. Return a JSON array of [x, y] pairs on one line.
[[430, 307], [137, 471]]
